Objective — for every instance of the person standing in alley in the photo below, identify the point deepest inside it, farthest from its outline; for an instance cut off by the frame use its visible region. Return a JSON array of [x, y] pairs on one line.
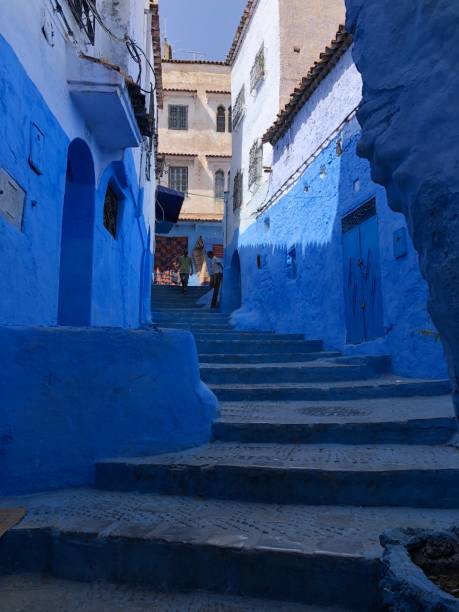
[[216, 272], [185, 269]]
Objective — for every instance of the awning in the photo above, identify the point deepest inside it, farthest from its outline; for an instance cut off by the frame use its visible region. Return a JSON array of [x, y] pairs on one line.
[[168, 206]]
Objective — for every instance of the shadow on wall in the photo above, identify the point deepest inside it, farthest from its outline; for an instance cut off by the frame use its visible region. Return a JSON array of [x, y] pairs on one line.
[[295, 267]]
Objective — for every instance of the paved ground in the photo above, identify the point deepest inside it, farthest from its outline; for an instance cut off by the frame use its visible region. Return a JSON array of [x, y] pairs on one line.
[[354, 411], [307, 529], [35, 593]]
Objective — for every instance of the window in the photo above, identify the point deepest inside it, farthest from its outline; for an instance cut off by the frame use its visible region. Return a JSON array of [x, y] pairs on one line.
[[255, 163], [178, 117], [239, 108], [237, 190], [291, 264], [178, 178], [219, 185], [257, 74], [111, 211], [230, 120], [221, 119], [84, 17]]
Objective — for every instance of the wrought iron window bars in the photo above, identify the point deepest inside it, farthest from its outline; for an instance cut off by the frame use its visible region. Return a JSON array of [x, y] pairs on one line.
[[85, 17]]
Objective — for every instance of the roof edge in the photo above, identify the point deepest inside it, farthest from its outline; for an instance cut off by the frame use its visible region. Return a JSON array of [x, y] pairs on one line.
[[328, 59]]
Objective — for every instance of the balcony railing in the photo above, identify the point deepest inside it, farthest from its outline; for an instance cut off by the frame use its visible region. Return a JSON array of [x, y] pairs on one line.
[[84, 16]]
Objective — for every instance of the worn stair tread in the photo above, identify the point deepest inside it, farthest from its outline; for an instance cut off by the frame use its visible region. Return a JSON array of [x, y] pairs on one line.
[[352, 411], [329, 457], [43, 592], [385, 380], [320, 363], [246, 526], [265, 358]]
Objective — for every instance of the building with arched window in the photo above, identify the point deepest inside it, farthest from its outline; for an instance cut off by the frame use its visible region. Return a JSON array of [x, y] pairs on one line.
[[195, 145]]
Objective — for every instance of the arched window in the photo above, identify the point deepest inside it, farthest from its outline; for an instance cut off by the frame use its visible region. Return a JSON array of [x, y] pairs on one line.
[[230, 120], [111, 211], [219, 185], [221, 119]]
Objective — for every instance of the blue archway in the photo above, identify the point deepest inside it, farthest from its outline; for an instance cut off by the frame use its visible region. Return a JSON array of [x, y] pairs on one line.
[[75, 278]]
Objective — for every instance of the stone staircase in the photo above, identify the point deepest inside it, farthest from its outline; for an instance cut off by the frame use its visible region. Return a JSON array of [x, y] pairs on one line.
[[314, 455]]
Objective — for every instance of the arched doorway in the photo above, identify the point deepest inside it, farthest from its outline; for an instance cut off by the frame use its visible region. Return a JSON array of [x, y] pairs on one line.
[[235, 275], [75, 277]]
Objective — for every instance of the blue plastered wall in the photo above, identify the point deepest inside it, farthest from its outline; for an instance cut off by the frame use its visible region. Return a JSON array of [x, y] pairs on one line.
[[308, 218], [30, 259]]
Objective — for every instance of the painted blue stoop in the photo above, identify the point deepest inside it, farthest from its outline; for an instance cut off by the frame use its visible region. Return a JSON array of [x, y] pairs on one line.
[[314, 456]]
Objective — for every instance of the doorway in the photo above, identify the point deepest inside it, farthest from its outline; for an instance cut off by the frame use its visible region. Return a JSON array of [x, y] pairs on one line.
[[362, 275], [77, 238]]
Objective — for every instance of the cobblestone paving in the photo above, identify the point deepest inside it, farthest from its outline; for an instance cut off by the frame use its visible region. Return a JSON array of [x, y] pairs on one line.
[[357, 411], [36, 593], [329, 457], [308, 529]]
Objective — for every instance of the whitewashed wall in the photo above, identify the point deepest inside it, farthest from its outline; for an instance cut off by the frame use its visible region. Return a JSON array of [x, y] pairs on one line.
[[261, 107], [336, 97]]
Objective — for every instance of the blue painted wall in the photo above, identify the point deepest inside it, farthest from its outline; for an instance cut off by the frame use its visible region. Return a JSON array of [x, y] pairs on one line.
[[308, 219], [94, 393], [30, 261]]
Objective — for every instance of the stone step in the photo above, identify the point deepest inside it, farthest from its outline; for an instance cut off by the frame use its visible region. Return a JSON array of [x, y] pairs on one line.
[[387, 386], [43, 593], [323, 556], [190, 317], [323, 371], [258, 346], [265, 357], [415, 420], [398, 475], [237, 335]]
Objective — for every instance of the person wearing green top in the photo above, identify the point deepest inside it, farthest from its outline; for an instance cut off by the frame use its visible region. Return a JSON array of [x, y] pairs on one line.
[[185, 269]]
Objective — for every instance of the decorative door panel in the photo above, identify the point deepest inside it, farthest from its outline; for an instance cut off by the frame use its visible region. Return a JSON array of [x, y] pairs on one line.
[[362, 275]]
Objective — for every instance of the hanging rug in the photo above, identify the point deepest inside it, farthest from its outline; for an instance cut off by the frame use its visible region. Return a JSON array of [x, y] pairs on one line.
[[9, 517]]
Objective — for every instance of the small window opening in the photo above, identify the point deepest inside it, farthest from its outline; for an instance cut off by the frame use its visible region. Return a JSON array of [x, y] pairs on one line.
[[221, 119], [111, 211]]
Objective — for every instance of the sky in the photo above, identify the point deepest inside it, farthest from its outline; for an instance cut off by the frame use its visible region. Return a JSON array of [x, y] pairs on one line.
[[206, 27]]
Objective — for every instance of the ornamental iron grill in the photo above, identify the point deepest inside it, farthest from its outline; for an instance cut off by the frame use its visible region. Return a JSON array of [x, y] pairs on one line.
[[178, 178], [111, 211], [85, 17], [255, 163], [237, 190], [239, 108], [257, 73]]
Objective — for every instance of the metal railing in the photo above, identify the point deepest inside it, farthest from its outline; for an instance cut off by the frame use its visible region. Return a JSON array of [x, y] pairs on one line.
[[85, 17]]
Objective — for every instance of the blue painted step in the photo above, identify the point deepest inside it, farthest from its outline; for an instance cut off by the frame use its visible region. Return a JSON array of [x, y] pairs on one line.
[[283, 373], [369, 389], [258, 346], [412, 476], [248, 358]]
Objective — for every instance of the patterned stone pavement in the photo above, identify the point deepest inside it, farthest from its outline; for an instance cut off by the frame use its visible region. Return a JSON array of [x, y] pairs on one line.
[[357, 411], [294, 456], [41, 593], [338, 530]]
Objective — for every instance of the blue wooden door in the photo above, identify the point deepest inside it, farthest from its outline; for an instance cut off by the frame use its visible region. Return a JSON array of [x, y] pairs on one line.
[[362, 275]]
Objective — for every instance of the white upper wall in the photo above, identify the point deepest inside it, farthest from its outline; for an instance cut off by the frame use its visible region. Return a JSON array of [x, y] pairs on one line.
[[262, 105], [337, 96]]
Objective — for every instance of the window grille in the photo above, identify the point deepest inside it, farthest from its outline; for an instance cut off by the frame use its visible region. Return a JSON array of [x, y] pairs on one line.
[[239, 108], [219, 185], [230, 120], [255, 163], [257, 73], [178, 117], [237, 190], [363, 213], [178, 178], [84, 17], [111, 211], [221, 119]]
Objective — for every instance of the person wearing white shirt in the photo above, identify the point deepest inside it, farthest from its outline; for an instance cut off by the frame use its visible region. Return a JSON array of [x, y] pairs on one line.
[[216, 273]]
